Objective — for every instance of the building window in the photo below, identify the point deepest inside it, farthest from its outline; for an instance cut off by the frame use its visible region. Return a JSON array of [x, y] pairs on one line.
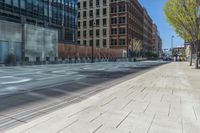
[[104, 2], [113, 41], [122, 20], [84, 24], [104, 32], [84, 33], [113, 9], [84, 4], [122, 8], [97, 12], [91, 3], [16, 3], [122, 42], [113, 31], [113, 20], [104, 22], [78, 15], [78, 5], [79, 34], [91, 32], [91, 42], [104, 11], [122, 31], [97, 22], [97, 32], [84, 42], [8, 2], [91, 23], [84, 14], [79, 24], [22, 4], [97, 3], [91, 13], [97, 43], [104, 43]]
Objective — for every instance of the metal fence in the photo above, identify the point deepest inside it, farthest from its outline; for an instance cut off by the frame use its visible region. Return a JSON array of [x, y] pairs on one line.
[[77, 51]]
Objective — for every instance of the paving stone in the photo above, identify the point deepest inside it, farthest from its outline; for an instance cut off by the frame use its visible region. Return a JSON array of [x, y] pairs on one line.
[[163, 100]]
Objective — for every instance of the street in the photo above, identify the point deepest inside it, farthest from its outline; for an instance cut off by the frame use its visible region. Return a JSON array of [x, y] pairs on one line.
[[165, 99], [27, 92]]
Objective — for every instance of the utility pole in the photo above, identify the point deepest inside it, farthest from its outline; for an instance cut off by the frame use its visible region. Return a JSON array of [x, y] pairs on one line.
[[172, 37], [93, 24]]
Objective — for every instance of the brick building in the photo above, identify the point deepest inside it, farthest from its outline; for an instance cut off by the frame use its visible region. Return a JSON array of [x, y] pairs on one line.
[[147, 32], [126, 22], [113, 23], [156, 40]]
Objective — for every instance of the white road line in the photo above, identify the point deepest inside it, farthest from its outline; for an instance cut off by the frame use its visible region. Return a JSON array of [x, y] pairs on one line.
[[14, 82]]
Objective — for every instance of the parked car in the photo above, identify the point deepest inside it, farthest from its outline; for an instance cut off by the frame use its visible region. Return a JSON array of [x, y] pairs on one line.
[[167, 59]]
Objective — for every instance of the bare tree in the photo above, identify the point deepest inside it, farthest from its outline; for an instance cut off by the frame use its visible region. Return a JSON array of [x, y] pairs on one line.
[[136, 46]]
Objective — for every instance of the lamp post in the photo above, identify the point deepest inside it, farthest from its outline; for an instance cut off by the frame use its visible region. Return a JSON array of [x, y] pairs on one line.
[[172, 37], [93, 24]]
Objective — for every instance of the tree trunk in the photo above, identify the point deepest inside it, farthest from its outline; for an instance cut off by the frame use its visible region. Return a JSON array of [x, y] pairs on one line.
[[191, 49], [197, 57]]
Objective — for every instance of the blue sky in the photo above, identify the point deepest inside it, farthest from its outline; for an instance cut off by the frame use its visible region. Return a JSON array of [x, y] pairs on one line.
[[155, 10]]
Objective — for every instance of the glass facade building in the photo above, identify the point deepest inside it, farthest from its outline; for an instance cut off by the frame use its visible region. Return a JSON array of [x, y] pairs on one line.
[[56, 14]]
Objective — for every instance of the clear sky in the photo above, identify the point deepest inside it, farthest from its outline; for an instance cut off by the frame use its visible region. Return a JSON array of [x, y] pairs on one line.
[[155, 10]]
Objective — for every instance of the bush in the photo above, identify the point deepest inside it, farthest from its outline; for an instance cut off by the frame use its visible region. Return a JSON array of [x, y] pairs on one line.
[[151, 55]]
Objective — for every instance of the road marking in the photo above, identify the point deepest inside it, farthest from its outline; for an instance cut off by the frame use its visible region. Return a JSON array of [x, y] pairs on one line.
[[145, 96], [129, 94], [143, 89], [127, 104], [194, 112], [123, 119], [169, 110], [79, 112], [108, 101], [182, 125], [97, 128], [6, 77], [15, 82], [67, 126], [151, 123], [162, 98], [13, 118], [95, 118], [147, 107]]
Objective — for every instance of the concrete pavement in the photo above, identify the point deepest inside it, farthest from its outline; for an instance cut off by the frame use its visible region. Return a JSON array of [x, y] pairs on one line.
[[163, 100], [51, 87]]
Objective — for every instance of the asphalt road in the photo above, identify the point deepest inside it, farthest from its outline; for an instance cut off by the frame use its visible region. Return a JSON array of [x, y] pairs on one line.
[[27, 92]]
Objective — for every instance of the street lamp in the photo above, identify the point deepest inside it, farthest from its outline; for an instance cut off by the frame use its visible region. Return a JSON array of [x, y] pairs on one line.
[[93, 24], [172, 37]]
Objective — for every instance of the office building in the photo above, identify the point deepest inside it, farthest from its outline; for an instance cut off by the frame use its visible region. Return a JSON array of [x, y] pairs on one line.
[[93, 23], [50, 21]]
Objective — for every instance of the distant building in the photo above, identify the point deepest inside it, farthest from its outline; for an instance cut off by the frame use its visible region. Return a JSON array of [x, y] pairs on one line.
[[126, 23], [113, 23], [93, 23], [157, 41], [147, 32], [179, 52]]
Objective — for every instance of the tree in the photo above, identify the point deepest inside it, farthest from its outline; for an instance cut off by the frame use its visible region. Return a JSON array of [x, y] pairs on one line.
[[183, 16], [136, 46]]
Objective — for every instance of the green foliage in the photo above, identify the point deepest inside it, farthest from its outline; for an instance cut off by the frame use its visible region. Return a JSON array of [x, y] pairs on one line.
[[151, 55], [183, 16]]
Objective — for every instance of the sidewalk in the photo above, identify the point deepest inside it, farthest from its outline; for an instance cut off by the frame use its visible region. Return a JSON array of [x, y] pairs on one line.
[[163, 100]]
